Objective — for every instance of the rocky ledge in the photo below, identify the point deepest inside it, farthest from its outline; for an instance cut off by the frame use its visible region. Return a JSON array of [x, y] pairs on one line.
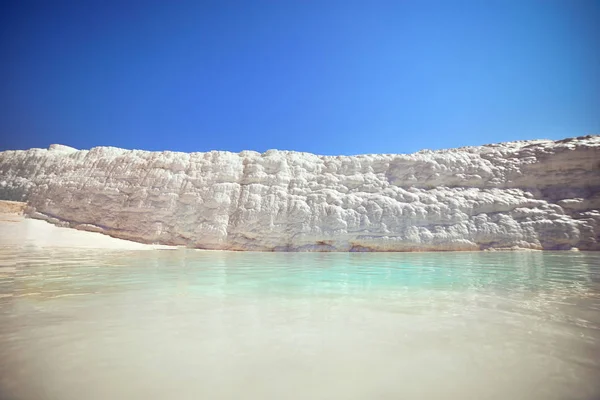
[[538, 194]]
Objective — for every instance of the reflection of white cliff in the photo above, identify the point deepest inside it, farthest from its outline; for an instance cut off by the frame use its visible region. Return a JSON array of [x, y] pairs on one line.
[[531, 194]]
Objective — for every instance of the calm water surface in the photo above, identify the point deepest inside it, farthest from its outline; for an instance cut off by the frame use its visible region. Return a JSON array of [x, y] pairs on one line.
[[185, 324]]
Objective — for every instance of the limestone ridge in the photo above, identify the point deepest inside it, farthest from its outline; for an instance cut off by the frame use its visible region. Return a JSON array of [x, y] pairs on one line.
[[538, 194]]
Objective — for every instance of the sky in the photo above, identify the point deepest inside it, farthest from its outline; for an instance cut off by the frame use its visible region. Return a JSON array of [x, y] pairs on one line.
[[327, 77]]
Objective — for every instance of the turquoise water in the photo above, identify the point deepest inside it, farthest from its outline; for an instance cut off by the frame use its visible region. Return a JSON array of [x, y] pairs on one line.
[[185, 324]]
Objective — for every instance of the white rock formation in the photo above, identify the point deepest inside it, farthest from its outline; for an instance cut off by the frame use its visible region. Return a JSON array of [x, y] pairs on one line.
[[530, 194]]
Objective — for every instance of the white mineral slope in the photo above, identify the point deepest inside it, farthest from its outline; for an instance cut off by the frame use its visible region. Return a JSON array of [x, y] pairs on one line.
[[539, 194], [27, 234], [17, 232]]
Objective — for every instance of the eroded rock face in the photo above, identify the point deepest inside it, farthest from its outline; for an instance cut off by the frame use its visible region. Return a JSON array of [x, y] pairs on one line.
[[530, 194]]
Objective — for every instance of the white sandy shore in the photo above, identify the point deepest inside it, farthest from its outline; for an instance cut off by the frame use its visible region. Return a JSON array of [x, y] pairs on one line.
[[16, 230]]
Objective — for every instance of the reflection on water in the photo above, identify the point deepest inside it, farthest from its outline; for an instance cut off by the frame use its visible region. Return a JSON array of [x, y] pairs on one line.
[[187, 324]]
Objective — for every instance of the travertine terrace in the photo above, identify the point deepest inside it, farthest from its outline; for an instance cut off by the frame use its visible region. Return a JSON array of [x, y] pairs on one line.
[[538, 194]]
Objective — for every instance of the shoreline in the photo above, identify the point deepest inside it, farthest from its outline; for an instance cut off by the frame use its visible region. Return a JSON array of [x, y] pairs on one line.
[[19, 229]]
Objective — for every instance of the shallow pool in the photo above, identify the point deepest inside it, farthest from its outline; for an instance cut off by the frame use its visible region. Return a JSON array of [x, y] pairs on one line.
[[185, 324]]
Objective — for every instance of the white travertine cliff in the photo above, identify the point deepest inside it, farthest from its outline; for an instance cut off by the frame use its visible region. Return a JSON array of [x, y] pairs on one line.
[[530, 194]]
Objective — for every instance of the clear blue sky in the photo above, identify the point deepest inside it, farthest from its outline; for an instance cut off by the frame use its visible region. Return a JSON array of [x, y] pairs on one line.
[[328, 77]]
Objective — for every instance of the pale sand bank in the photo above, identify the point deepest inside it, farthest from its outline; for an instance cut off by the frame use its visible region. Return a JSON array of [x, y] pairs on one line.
[[15, 230], [12, 207]]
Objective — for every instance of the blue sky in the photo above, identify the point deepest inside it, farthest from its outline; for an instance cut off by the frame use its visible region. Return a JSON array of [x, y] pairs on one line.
[[328, 77]]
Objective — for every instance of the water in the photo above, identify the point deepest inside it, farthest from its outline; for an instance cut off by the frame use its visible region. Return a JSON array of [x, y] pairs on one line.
[[185, 324]]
